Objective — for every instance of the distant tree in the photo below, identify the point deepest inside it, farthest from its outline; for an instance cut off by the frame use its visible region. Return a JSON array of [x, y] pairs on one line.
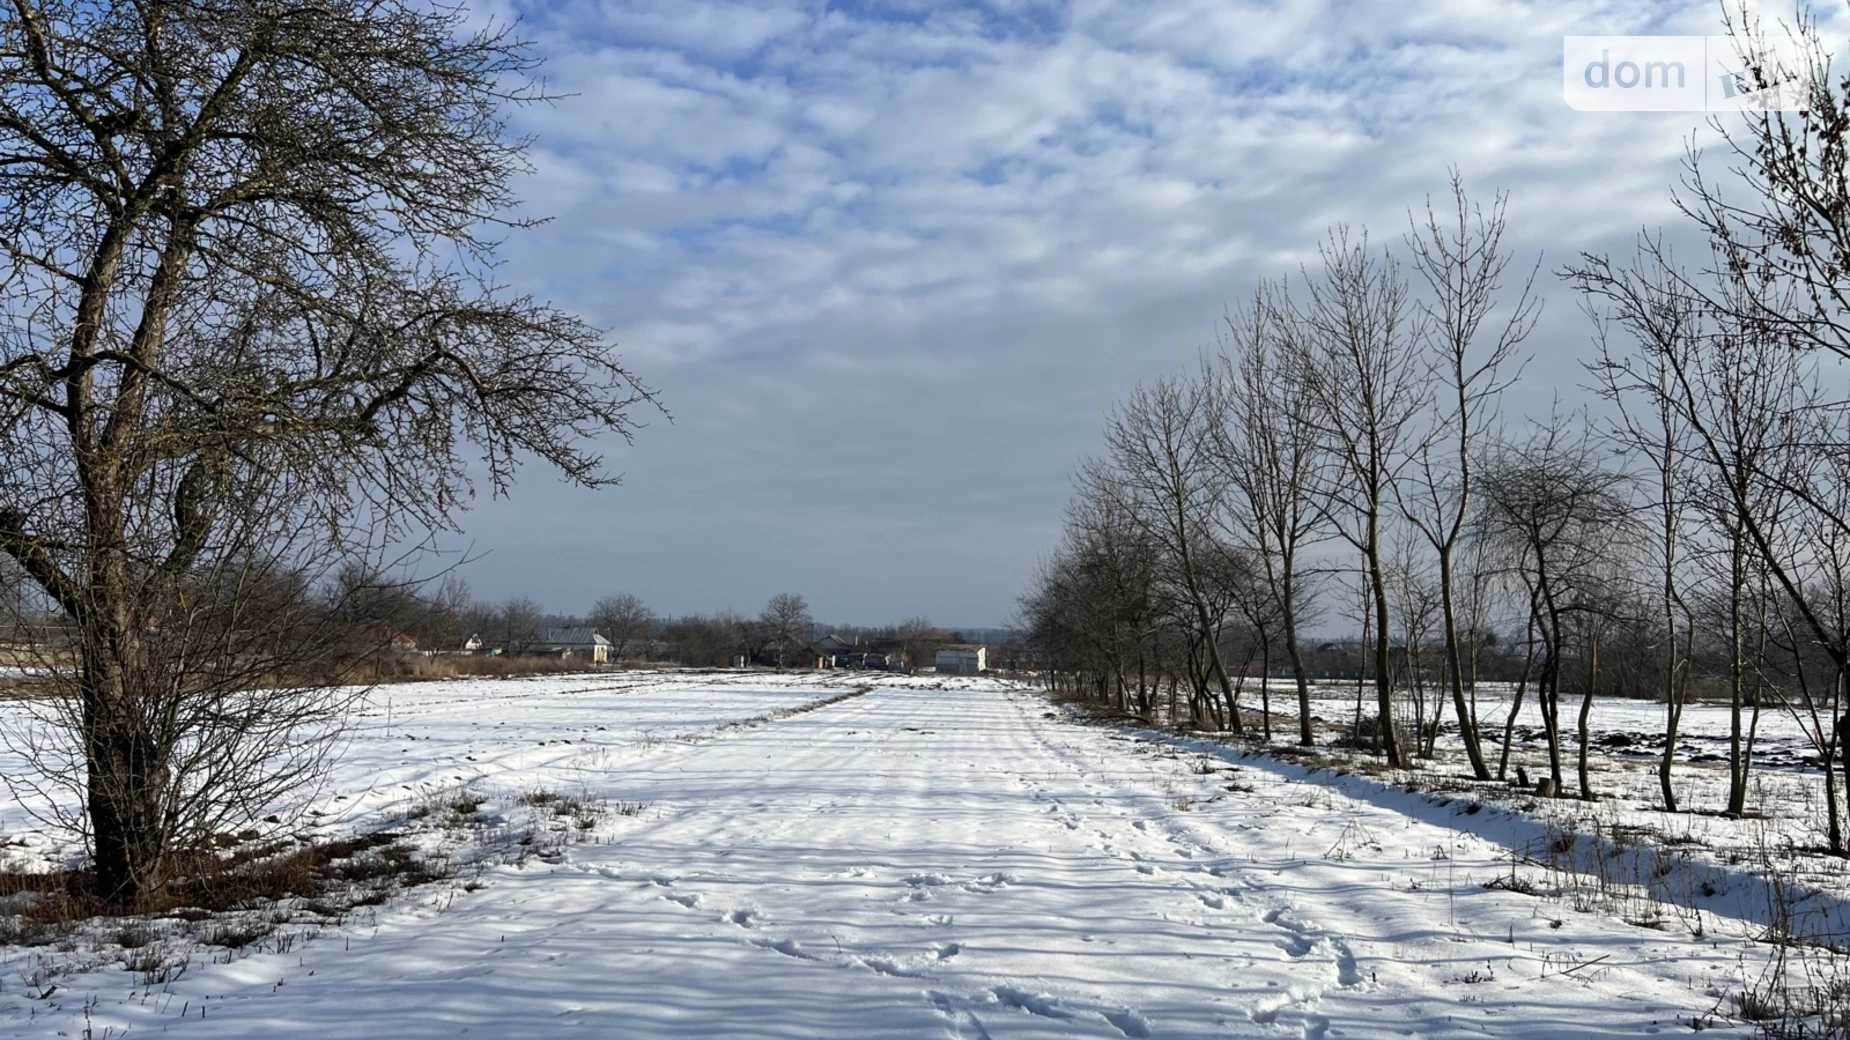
[[446, 624], [787, 624], [917, 638], [374, 605], [624, 620], [701, 641], [519, 623], [1159, 470]]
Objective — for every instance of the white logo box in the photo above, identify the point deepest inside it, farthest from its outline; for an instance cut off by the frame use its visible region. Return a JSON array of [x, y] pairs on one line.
[[1684, 73]]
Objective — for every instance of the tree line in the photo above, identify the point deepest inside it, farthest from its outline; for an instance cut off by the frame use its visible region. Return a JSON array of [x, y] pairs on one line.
[[1346, 456]]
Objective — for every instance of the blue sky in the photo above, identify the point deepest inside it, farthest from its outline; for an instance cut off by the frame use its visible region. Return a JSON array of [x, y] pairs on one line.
[[889, 262]]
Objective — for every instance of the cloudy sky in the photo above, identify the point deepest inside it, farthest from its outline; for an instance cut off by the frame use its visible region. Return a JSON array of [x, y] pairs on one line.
[[889, 262]]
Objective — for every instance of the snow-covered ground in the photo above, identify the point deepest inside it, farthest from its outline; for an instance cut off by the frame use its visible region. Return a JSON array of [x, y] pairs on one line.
[[940, 857], [1619, 728]]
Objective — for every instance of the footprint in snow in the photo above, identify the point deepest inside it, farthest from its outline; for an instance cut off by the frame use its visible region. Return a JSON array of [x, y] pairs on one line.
[[691, 900], [787, 947], [744, 918], [1347, 974], [1128, 1022], [1297, 945], [1266, 1014], [884, 965], [990, 882], [1042, 1004]]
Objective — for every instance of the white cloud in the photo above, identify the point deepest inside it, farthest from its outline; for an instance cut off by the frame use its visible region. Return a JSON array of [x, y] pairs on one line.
[[859, 253]]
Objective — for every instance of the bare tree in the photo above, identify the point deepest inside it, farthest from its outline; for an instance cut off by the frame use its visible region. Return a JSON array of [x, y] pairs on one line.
[[625, 620], [447, 617], [1558, 514], [1746, 406], [1361, 361], [1269, 449], [1462, 259], [917, 638], [787, 624], [1094, 609], [1160, 467], [248, 312], [519, 620]]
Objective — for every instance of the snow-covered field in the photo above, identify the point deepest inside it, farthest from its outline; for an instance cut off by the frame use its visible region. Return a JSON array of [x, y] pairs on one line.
[[943, 858], [1620, 728]]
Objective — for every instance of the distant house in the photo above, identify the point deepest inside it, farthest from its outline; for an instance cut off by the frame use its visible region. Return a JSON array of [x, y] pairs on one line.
[[405, 643], [963, 659], [813, 655], [472, 644], [571, 642]]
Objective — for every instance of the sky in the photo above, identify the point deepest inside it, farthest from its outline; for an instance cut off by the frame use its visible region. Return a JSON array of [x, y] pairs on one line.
[[889, 263]]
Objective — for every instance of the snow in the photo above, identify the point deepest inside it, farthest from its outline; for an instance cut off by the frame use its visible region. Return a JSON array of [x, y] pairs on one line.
[[1619, 727], [939, 857]]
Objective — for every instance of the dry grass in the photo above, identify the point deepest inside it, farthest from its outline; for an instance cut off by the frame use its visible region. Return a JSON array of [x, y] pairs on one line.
[[329, 878], [580, 811], [418, 668]]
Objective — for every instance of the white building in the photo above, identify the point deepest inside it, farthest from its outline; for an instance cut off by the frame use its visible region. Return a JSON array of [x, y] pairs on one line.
[[963, 659]]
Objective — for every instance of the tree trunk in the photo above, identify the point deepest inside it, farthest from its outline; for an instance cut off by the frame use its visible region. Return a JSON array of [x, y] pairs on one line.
[[1586, 715], [1384, 681], [1673, 714], [1215, 662], [1454, 665], [125, 781], [1522, 686], [1265, 688], [1737, 772]]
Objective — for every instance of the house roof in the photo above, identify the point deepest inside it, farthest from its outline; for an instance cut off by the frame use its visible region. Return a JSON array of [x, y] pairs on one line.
[[572, 637]]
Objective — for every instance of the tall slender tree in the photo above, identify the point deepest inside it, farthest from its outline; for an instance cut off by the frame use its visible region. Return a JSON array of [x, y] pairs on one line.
[[1460, 255], [1362, 364]]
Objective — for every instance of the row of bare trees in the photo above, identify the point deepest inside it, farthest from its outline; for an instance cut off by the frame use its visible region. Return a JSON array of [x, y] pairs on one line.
[[1343, 458], [1344, 410]]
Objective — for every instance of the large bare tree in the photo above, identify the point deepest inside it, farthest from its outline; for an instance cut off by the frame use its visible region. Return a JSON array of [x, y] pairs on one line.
[[787, 624], [250, 312]]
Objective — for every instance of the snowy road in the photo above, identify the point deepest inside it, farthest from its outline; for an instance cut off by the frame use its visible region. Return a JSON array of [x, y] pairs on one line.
[[962, 863]]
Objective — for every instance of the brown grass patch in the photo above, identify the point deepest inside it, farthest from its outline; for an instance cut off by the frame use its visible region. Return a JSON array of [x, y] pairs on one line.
[[326, 879]]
